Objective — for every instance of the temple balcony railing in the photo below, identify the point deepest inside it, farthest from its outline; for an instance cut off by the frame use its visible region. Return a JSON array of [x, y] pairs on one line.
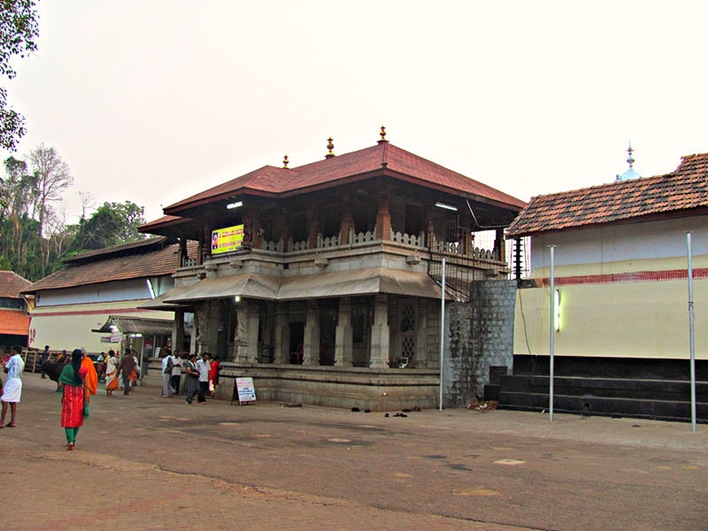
[[272, 253]]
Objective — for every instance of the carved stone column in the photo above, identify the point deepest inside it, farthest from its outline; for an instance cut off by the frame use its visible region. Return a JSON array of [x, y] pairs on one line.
[[311, 343], [178, 331], [343, 340], [254, 317], [241, 332], [380, 333], [281, 348]]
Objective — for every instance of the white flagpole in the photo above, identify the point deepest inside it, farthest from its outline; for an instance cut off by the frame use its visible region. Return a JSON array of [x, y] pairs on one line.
[[691, 331], [442, 332], [551, 340]]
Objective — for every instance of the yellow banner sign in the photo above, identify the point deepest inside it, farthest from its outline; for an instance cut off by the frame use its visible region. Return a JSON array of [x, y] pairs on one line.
[[227, 240]]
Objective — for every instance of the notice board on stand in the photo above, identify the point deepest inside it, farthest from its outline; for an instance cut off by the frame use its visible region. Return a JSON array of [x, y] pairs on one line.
[[244, 391]]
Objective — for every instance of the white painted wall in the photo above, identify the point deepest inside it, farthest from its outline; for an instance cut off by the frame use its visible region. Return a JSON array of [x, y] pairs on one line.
[[620, 243]]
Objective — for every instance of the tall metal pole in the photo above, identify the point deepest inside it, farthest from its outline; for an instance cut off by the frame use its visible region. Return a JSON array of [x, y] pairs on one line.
[[442, 332], [551, 341], [692, 344]]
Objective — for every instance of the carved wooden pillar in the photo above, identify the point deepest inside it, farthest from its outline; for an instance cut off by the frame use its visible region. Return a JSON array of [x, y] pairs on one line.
[[257, 238], [314, 229], [347, 220], [383, 216], [182, 252], [499, 246], [430, 233]]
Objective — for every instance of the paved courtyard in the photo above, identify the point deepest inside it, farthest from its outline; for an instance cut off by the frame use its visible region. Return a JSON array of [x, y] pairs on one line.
[[144, 462]]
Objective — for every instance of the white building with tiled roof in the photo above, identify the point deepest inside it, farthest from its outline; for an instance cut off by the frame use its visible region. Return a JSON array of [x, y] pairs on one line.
[[620, 272], [94, 301]]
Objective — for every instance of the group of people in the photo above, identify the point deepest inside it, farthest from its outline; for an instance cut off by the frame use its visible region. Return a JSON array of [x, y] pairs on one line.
[[77, 382], [79, 379], [201, 376], [125, 370]]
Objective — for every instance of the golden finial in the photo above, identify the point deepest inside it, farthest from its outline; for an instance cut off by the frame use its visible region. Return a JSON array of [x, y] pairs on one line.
[[383, 135], [330, 147], [285, 162]]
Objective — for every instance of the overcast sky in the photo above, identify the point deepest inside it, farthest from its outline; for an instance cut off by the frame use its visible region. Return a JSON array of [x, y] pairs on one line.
[[154, 100]]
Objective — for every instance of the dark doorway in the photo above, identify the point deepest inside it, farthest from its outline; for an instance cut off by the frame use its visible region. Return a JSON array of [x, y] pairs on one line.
[[297, 338]]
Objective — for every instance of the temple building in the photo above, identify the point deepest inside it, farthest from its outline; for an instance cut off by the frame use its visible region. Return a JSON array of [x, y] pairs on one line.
[[323, 281]]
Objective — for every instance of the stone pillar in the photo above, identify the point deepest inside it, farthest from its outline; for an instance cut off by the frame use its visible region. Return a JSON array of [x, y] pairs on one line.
[[421, 337], [178, 331], [253, 323], [201, 326], [343, 340], [241, 333], [311, 343], [281, 347], [380, 333]]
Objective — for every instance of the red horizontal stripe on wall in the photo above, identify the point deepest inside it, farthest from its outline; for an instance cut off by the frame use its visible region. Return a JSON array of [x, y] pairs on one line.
[[638, 276]]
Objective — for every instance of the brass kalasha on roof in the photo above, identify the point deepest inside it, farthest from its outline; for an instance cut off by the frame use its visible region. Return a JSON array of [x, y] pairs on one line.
[[383, 135], [285, 162], [330, 147]]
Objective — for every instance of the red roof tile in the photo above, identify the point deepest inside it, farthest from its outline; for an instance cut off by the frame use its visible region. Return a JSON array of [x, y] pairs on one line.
[[110, 266], [382, 159], [14, 322], [12, 284], [681, 192]]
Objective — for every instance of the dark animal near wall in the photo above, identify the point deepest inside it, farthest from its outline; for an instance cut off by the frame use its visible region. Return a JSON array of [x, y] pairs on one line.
[[53, 369]]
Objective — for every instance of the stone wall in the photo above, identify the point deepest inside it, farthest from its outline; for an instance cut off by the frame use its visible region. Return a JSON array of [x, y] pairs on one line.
[[480, 335]]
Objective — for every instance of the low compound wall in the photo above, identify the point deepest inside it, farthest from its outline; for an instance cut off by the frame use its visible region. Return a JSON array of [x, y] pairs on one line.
[[377, 390]]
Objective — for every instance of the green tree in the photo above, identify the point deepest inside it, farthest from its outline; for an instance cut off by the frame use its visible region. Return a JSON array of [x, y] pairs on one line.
[[111, 224], [19, 29]]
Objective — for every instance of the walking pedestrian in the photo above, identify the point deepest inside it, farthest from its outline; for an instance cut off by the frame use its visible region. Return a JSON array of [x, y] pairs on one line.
[[12, 390], [45, 359], [101, 367], [167, 364], [176, 372], [191, 380], [126, 368], [111, 373], [214, 369], [74, 405], [203, 368]]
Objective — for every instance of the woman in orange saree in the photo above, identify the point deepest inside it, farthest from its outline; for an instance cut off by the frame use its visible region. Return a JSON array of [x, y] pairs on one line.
[[111, 373]]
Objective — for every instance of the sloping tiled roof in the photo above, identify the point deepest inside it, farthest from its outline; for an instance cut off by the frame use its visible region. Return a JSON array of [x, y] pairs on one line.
[[153, 262], [14, 322], [681, 192], [383, 158], [12, 284]]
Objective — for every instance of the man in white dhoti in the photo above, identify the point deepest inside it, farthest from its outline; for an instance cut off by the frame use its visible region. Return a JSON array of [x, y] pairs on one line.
[[12, 391]]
